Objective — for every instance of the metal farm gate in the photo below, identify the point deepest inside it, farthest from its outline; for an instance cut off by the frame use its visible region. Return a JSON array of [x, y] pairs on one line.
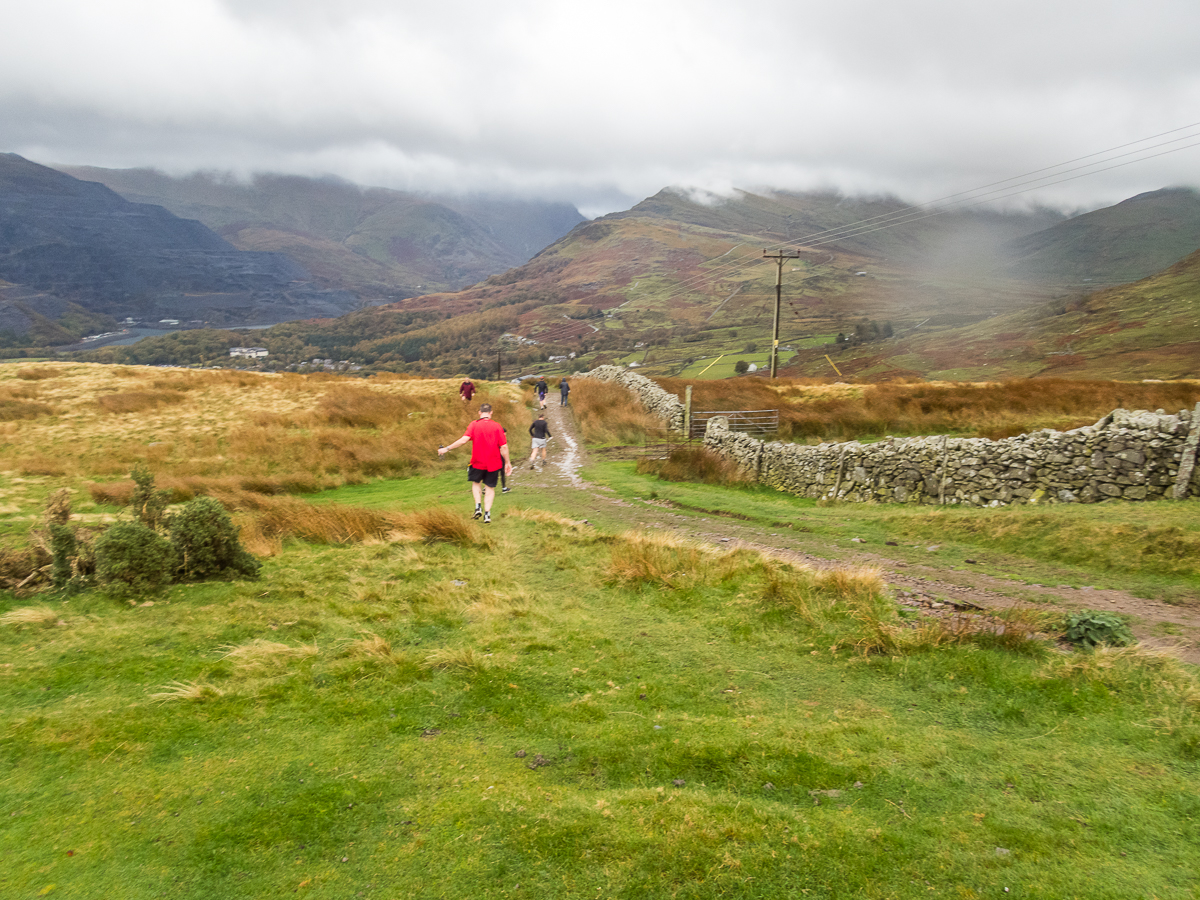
[[758, 422]]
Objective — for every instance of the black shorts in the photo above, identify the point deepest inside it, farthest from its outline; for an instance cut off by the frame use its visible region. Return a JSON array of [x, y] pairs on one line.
[[488, 478]]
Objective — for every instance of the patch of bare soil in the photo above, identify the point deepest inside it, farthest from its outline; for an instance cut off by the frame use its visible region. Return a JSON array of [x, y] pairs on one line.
[[931, 587]]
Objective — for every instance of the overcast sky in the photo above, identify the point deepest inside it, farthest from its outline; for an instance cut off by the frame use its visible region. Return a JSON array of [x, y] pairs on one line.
[[605, 103]]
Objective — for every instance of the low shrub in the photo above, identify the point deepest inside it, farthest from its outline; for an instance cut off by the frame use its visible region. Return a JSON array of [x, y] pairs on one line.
[[207, 543], [1091, 628], [131, 556]]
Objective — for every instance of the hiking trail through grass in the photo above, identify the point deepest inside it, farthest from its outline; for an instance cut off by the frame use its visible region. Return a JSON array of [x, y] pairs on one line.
[[938, 588]]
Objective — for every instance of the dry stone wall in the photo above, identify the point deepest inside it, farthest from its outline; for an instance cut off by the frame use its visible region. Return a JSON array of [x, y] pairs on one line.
[[1129, 455], [666, 406]]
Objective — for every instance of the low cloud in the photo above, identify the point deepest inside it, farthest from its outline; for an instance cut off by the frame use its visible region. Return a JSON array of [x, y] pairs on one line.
[[605, 104]]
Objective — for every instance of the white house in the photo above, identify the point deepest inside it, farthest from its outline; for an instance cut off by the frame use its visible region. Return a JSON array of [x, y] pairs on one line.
[[249, 352]]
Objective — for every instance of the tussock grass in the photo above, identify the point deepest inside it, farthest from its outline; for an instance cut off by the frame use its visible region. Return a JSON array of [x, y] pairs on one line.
[[32, 617], [19, 564], [658, 559], [466, 659], [696, 464], [13, 409], [443, 525], [41, 464], [39, 373], [1154, 673], [138, 401], [374, 647], [259, 655], [326, 523], [609, 414], [191, 691], [562, 524]]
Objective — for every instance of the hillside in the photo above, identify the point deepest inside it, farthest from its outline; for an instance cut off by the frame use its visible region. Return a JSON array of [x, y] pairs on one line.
[[375, 242], [1148, 329], [1133, 239], [662, 276], [64, 241], [678, 282]]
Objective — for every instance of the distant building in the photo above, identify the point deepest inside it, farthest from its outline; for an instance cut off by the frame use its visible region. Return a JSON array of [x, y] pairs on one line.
[[249, 352], [168, 321]]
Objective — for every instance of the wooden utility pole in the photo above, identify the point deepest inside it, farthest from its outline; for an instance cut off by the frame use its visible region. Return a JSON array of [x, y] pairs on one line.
[[779, 256]]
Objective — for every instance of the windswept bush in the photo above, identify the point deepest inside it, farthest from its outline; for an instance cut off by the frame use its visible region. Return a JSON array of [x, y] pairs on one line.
[[135, 558], [207, 543]]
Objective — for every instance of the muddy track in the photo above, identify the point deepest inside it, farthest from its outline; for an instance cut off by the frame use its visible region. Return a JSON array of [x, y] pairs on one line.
[[934, 586]]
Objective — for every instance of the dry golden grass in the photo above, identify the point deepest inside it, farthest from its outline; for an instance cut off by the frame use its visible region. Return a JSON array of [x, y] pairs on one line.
[[260, 656], [38, 373], [444, 526], [983, 409], [850, 582], [31, 617], [696, 464], [21, 565], [562, 523], [658, 558], [192, 691], [137, 401], [326, 523], [213, 432], [608, 414], [372, 646], [463, 658], [499, 605], [13, 409]]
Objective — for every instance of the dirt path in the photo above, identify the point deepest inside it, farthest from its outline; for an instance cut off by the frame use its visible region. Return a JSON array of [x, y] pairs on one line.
[[934, 587]]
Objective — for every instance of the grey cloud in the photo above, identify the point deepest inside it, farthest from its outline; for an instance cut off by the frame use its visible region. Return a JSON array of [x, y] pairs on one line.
[[604, 104]]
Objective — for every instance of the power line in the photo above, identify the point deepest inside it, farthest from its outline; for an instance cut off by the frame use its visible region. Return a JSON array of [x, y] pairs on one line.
[[969, 198]]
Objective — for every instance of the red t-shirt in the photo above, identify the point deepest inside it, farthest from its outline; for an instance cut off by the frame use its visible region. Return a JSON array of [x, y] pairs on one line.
[[487, 437]]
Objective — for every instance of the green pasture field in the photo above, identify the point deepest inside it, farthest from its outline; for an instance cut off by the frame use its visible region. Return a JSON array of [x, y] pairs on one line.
[[548, 709], [724, 367]]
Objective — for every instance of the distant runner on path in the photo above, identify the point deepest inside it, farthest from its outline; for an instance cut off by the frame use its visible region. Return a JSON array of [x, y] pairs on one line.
[[541, 387], [563, 390], [539, 431], [466, 390], [489, 457]]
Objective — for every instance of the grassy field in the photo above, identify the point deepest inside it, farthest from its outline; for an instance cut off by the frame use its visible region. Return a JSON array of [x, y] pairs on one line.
[[419, 707]]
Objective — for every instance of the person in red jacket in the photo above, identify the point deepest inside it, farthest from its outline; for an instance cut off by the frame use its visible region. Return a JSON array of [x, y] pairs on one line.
[[466, 390], [489, 456]]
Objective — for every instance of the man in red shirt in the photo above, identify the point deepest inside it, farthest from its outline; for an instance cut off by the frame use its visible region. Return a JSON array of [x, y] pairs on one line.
[[489, 454]]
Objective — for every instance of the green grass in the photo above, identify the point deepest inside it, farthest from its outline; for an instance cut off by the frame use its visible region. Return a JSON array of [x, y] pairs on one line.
[[1150, 549], [722, 366], [543, 728]]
